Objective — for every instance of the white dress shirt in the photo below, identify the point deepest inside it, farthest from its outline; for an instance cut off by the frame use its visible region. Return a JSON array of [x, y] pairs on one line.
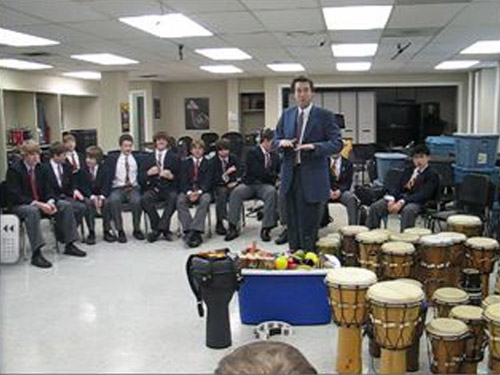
[[160, 157], [307, 112], [337, 166], [57, 171], [72, 154], [121, 173]]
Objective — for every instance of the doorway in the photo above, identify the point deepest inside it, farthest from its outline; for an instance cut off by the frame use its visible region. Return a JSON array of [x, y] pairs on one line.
[[138, 120]]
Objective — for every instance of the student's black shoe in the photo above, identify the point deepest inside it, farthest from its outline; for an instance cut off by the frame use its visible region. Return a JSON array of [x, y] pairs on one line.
[[72, 250], [265, 234], [282, 238], [168, 236], [109, 236], [91, 238], [138, 235], [197, 239], [153, 236], [122, 238], [220, 229], [38, 260], [232, 233], [188, 238]]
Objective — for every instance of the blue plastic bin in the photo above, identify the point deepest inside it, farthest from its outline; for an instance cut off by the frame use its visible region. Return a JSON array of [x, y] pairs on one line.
[[493, 173], [387, 161], [476, 150], [296, 297], [441, 145]]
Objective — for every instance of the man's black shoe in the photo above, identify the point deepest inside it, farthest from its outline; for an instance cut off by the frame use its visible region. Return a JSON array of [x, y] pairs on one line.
[[265, 234], [38, 260], [153, 236], [139, 235], [72, 250], [282, 238], [168, 236], [122, 238], [91, 238], [220, 229], [232, 233], [109, 236]]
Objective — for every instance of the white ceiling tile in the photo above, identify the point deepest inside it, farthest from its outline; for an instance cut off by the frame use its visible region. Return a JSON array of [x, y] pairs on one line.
[[302, 39], [269, 55], [308, 52], [204, 6], [11, 18], [280, 4], [261, 39], [388, 47], [355, 36], [120, 8], [110, 29], [292, 19], [203, 42], [58, 32], [55, 10], [229, 22], [479, 14], [414, 16]]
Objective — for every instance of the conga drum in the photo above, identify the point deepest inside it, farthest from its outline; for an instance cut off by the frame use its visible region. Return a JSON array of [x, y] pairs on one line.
[[414, 239], [492, 317], [434, 252], [475, 343], [471, 283], [413, 353], [418, 231], [395, 312], [497, 285], [370, 246], [350, 249], [470, 225], [482, 252], [397, 259], [447, 339], [387, 232], [329, 245], [446, 298], [490, 300], [456, 256], [348, 287]]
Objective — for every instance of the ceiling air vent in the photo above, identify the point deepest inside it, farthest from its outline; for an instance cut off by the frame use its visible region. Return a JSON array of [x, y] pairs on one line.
[[148, 76], [36, 54]]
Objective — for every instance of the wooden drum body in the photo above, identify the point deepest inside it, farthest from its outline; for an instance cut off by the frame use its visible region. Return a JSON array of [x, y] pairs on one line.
[[470, 225], [370, 246], [397, 259], [445, 299], [350, 249], [329, 245], [482, 253], [434, 253], [348, 287], [456, 255], [492, 317], [447, 339]]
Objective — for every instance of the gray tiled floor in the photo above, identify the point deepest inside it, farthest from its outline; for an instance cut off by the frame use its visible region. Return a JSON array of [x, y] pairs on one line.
[[128, 308]]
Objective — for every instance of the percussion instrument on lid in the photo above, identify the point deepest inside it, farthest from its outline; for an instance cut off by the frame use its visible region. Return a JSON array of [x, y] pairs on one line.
[[472, 284], [434, 265], [446, 298], [456, 255], [348, 287], [476, 342], [395, 312], [492, 316], [397, 259], [350, 249], [329, 244], [447, 339], [469, 225], [482, 252], [370, 245]]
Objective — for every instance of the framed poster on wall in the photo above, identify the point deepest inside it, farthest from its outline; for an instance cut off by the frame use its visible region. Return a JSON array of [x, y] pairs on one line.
[[125, 116], [197, 113], [156, 108]]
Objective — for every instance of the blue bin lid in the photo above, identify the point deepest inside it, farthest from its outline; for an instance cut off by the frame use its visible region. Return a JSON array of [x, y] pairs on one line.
[[478, 135], [441, 140], [390, 155]]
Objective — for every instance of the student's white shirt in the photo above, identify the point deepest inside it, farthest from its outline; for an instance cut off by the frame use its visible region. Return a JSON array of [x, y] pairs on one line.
[[57, 168], [121, 172], [307, 112], [72, 154], [160, 157]]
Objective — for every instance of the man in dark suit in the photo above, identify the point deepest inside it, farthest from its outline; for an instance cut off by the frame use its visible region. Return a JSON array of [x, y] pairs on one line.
[[30, 198], [160, 181], [259, 182], [227, 176], [73, 158], [121, 184], [419, 185], [341, 174], [307, 135], [195, 190]]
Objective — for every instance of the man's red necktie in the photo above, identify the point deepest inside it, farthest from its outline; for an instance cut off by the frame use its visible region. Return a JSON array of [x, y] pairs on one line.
[[34, 188]]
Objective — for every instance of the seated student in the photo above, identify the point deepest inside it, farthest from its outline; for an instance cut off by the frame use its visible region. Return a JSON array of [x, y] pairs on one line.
[[89, 184], [159, 179], [265, 357], [73, 158], [31, 198], [262, 168], [341, 173], [120, 184], [226, 176], [195, 189], [419, 185]]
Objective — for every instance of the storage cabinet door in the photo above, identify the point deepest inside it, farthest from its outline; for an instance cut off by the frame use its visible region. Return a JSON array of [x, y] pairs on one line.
[[366, 117], [331, 101], [348, 108]]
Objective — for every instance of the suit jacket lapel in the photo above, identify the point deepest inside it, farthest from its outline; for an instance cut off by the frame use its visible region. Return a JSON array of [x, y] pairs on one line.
[[295, 118], [307, 125]]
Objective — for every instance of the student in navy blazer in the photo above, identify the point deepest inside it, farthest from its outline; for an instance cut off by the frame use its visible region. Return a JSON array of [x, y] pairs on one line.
[[306, 135]]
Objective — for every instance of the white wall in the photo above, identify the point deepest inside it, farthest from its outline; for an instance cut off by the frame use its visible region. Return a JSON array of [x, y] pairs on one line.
[[487, 85]]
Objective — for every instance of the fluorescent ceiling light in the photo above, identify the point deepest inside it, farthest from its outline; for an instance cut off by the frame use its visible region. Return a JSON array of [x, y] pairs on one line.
[[456, 64], [483, 46], [22, 65], [173, 25], [223, 53], [354, 49], [104, 59], [17, 39], [83, 75], [354, 66], [356, 17], [286, 67], [221, 69]]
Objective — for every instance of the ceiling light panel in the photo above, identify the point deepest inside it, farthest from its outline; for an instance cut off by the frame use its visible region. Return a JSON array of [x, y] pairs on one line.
[[483, 47], [22, 65], [17, 39], [173, 25], [286, 67], [353, 66], [456, 64], [84, 75], [356, 17], [105, 59], [354, 49], [223, 53], [221, 69]]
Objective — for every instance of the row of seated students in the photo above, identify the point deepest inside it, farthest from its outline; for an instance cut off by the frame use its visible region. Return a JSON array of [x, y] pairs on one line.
[[70, 188]]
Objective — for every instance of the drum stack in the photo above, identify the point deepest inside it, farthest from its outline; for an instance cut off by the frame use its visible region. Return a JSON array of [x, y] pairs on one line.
[[492, 317], [481, 253], [370, 249], [350, 249], [445, 299], [329, 244]]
